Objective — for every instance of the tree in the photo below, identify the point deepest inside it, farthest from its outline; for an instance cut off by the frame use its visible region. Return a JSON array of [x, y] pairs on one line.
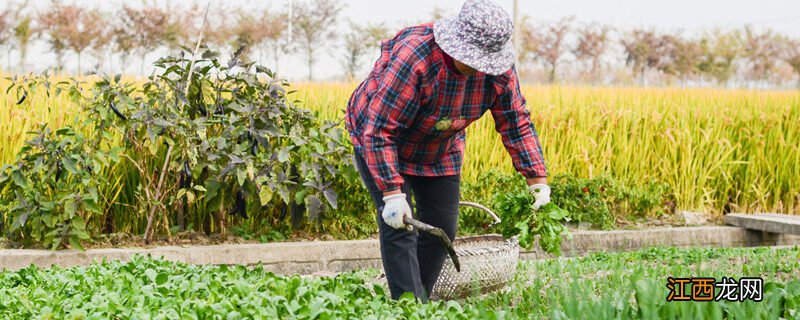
[[358, 42], [720, 50], [547, 44], [5, 29], [260, 30], [642, 51], [141, 29], [791, 55], [71, 27], [16, 25], [55, 24], [23, 34], [180, 25], [591, 45], [245, 32], [103, 43], [221, 30], [123, 42], [87, 29], [679, 57], [762, 51], [315, 26], [276, 27]]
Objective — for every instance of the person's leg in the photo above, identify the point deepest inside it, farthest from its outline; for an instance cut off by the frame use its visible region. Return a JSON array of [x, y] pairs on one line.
[[398, 246], [437, 205]]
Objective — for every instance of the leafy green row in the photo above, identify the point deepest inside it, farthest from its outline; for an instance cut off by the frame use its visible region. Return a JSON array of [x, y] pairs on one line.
[[601, 286], [597, 201]]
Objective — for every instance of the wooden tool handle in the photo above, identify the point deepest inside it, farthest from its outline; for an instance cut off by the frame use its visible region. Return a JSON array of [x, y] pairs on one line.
[[439, 233]]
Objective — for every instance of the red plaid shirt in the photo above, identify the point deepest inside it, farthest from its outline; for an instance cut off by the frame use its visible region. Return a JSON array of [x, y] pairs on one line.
[[409, 115]]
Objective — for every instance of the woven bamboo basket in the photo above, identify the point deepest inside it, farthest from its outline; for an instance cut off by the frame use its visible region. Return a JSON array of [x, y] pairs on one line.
[[488, 263]]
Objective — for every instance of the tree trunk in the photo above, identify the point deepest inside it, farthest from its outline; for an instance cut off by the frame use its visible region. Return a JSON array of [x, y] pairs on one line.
[[595, 71], [123, 59], [23, 52], [351, 71], [551, 77], [79, 63], [109, 61], [642, 78], [276, 57], [60, 61], [310, 65], [261, 59], [141, 68]]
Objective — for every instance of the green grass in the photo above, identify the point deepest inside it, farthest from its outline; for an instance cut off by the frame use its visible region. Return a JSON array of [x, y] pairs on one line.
[[601, 286]]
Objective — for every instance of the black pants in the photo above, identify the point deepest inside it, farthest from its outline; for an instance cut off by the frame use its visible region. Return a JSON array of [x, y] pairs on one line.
[[412, 260]]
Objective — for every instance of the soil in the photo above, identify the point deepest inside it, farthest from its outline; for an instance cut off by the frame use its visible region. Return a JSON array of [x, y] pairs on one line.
[[673, 220], [119, 240], [187, 238], [184, 238]]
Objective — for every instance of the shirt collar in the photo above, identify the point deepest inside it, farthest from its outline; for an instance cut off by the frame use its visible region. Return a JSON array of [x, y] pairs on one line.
[[449, 62]]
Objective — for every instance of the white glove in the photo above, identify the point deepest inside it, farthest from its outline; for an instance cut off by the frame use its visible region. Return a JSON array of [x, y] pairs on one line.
[[541, 195], [395, 208]]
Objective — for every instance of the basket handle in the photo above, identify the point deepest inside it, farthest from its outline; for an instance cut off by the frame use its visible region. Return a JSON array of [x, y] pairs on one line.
[[485, 209]]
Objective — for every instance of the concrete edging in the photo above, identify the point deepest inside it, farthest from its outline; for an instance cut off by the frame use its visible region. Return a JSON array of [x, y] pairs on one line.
[[770, 222], [338, 256]]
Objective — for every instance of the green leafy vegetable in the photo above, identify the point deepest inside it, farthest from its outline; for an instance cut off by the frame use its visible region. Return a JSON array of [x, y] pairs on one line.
[[629, 285], [520, 219]]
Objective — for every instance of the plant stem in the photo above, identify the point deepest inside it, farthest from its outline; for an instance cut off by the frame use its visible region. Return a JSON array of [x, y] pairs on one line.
[[196, 48], [181, 217], [166, 226], [148, 231]]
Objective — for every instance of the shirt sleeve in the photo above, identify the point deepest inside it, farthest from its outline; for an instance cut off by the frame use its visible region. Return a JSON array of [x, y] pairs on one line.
[[392, 108], [513, 122]]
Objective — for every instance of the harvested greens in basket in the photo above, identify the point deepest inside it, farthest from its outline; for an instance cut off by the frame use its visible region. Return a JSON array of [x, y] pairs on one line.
[[520, 219]]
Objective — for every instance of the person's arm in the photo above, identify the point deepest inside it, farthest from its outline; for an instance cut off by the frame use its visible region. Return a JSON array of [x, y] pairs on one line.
[[392, 108], [512, 121]]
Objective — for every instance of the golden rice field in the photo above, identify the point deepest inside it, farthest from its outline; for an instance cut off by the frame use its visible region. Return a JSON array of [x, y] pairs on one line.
[[708, 145]]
